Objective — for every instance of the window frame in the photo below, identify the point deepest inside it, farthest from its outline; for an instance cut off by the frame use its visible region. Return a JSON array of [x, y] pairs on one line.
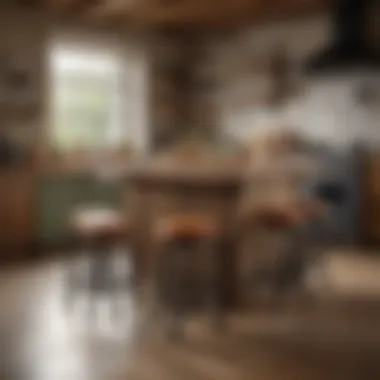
[[89, 44]]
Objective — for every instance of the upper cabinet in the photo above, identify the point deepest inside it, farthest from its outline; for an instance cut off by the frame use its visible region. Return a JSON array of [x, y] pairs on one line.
[[22, 57]]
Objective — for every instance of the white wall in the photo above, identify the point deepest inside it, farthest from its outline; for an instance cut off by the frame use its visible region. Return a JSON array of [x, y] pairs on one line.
[[326, 109]]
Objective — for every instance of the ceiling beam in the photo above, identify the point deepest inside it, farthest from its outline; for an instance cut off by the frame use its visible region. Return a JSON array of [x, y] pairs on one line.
[[61, 5], [195, 11], [110, 9], [207, 13]]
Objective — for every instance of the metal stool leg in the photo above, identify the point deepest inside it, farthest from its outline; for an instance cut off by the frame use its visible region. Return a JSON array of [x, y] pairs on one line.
[[179, 284], [174, 282], [71, 285], [101, 278], [213, 285], [74, 277]]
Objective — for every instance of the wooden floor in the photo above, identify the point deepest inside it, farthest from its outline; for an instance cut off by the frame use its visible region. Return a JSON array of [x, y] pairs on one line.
[[42, 337]]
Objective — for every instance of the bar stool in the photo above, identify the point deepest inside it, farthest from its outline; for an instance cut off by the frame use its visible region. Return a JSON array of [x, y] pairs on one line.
[[286, 270], [188, 246], [99, 229]]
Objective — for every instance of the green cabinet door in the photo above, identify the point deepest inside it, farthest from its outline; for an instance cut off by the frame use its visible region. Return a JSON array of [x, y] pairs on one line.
[[58, 196]]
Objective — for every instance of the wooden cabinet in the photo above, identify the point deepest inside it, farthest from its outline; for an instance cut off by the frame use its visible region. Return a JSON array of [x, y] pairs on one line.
[[371, 199], [16, 213], [57, 195]]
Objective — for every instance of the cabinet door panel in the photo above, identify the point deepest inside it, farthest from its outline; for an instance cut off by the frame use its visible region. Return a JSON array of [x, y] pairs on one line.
[[371, 202], [16, 213], [58, 196]]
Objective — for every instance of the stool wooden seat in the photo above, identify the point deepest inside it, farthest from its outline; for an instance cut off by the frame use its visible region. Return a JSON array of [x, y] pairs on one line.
[[92, 222], [186, 226], [290, 215]]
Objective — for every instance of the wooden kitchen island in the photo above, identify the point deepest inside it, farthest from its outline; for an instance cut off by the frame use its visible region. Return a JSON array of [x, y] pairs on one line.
[[159, 190], [219, 188]]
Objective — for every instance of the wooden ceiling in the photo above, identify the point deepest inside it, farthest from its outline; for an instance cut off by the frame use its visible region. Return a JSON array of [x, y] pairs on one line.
[[187, 12]]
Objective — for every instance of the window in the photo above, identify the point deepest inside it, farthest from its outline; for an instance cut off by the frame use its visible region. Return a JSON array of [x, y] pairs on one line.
[[86, 99]]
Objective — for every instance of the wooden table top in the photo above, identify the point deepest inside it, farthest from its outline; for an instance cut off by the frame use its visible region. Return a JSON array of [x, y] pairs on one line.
[[191, 175], [227, 173]]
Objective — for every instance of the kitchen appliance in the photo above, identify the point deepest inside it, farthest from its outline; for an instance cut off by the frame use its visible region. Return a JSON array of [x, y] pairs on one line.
[[356, 39]]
